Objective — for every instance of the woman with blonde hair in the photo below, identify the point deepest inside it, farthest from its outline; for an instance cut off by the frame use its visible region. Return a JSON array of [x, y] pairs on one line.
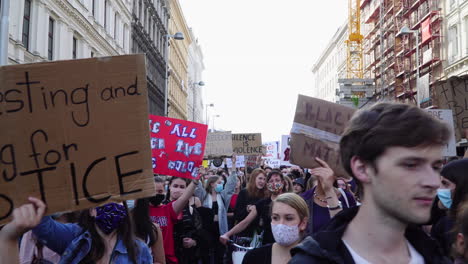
[[289, 217]]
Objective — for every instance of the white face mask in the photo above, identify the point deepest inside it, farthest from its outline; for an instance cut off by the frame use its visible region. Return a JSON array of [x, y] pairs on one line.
[[285, 235]]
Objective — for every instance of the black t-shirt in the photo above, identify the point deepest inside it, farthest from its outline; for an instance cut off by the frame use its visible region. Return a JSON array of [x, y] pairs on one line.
[[240, 212], [261, 255], [264, 219]]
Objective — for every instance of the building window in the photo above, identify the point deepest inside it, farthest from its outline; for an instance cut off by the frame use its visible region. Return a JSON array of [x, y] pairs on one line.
[[92, 54], [75, 43], [26, 23], [105, 15], [115, 25], [453, 43], [124, 36], [93, 7], [466, 34], [50, 47]]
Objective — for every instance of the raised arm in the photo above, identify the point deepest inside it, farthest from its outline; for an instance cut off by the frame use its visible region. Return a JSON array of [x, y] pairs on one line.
[[180, 203], [24, 218], [240, 226]]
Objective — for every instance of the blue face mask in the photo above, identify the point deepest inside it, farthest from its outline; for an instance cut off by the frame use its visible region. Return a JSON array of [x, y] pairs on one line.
[[219, 187], [445, 197]]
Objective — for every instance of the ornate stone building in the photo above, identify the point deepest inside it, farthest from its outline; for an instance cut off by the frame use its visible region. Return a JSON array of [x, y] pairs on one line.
[[149, 28], [41, 30]]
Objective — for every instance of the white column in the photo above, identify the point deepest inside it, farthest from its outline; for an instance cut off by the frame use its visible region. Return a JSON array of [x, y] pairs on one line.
[[16, 19]]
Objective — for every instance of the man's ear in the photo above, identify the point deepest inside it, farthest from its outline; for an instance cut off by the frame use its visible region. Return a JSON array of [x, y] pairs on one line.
[[360, 169]]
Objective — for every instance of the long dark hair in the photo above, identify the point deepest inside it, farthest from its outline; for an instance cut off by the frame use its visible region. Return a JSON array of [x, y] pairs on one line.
[[168, 194], [456, 172], [124, 232], [144, 227]]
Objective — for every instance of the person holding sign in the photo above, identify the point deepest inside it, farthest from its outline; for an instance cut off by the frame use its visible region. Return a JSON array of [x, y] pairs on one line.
[[25, 218], [166, 215], [216, 195], [104, 234]]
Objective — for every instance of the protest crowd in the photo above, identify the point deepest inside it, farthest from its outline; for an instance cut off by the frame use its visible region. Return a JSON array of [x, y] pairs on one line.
[[375, 188], [402, 204]]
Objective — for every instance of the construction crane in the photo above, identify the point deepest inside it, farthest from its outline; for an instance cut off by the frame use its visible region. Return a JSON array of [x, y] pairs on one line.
[[354, 60], [354, 87]]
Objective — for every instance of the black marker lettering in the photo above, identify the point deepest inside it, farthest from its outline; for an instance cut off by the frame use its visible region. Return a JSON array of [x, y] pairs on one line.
[[122, 175]]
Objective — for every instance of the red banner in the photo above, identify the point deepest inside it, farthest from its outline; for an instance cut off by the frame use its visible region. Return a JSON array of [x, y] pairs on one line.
[[177, 146], [426, 30]]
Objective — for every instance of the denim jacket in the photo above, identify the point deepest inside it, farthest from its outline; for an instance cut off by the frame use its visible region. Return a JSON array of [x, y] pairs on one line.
[[74, 243]]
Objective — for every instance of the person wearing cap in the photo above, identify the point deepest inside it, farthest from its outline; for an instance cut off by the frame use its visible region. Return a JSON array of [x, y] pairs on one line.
[[298, 186]]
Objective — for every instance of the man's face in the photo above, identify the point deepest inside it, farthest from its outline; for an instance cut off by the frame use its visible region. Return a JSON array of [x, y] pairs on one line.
[[405, 184]]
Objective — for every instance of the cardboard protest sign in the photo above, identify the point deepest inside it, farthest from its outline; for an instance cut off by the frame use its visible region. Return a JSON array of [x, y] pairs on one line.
[[218, 144], [177, 146], [247, 144], [285, 152], [271, 150], [74, 133], [453, 94], [446, 116], [251, 161], [316, 132]]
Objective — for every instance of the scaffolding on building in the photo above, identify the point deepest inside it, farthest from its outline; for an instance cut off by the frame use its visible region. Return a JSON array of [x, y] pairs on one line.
[[390, 57]]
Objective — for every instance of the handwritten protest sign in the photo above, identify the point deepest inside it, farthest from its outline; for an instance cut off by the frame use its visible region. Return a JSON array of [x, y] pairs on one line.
[[218, 144], [251, 161], [316, 132], [177, 146], [446, 116], [285, 152], [273, 163], [453, 94], [271, 150], [74, 133], [240, 162], [247, 144]]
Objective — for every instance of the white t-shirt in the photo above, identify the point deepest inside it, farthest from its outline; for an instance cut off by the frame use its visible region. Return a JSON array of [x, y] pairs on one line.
[[416, 258]]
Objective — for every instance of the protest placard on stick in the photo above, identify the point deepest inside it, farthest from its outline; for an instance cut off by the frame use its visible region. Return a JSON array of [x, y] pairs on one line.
[[316, 132], [453, 94], [74, 133], [177, 146]]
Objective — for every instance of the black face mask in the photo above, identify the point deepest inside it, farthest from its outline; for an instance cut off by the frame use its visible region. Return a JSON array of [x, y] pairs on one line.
[[157, 199]]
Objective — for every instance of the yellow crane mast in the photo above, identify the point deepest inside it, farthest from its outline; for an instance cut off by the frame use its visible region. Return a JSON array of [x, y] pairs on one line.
[[354, 60]]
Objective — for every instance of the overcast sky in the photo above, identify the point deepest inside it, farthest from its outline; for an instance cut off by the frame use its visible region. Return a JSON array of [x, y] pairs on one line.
[[258, 56]]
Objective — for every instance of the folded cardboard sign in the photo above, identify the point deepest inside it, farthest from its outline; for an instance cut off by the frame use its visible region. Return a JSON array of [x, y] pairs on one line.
[[316, 132]]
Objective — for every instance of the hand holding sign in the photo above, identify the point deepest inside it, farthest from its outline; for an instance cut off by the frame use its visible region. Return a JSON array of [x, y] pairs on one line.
[[324, 174]]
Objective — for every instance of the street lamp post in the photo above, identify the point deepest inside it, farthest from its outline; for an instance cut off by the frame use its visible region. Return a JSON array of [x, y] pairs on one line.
[[200, 83], [206, 112], [214, 122], [176, 36], [406, 31]]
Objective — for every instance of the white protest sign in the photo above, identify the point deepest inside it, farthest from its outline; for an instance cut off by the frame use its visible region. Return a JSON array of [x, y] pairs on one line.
[[285, 150], [446, 116], [271, 150]]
